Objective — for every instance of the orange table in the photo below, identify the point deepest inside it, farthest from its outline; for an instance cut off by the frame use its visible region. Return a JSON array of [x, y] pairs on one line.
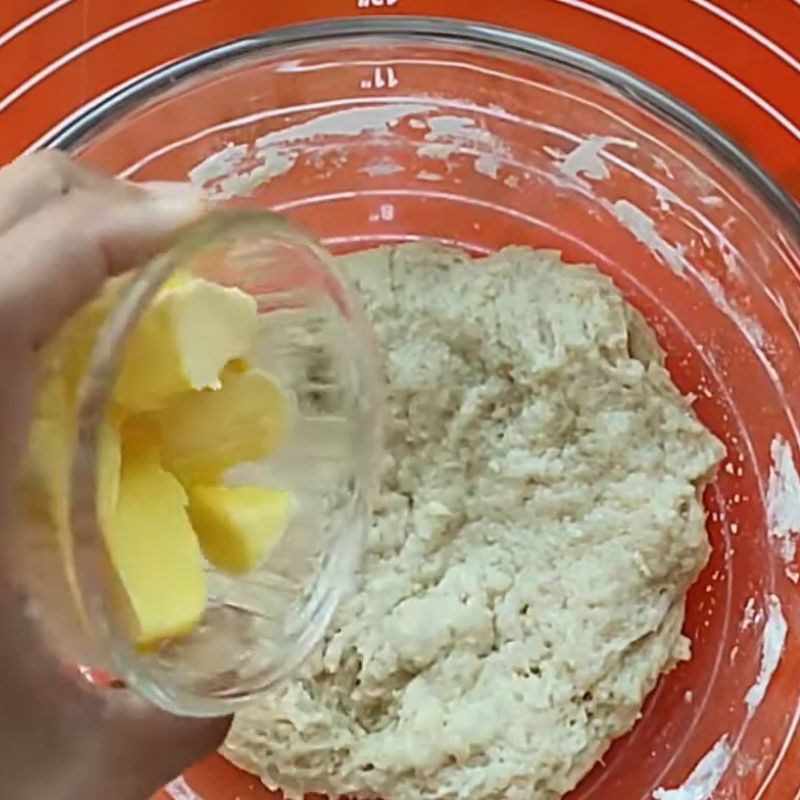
[[738, 61]]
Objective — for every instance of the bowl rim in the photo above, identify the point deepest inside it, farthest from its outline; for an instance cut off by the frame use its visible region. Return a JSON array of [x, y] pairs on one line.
[[72, 133]]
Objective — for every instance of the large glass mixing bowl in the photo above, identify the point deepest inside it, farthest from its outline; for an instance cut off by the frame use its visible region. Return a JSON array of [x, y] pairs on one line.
[[390, 130]]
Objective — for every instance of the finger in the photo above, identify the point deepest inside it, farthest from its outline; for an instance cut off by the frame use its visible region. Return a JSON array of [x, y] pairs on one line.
[[58, 258], [157, 746], [38, 179]]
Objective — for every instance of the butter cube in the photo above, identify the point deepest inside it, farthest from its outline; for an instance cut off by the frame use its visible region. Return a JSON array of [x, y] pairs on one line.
[[238, 525], [47, 467], [154, 551], [183, 341], [205, 433], [69, 352]]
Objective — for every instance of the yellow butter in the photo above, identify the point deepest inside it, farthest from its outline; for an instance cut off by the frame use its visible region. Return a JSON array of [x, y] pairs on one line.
[[237, 526], [46, 470], [183, 341], [187, 406], [154, 551], [47, 467], [205, 433], [69, 352]]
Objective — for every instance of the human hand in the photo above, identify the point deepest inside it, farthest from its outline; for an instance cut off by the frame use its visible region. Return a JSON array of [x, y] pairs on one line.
[[64, 230]]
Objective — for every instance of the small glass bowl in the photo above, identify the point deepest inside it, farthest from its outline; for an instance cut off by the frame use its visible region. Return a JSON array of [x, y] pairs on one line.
[[314, 340]]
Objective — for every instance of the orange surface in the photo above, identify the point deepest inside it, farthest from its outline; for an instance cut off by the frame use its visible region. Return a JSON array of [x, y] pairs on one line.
[[694, 50], [675, 44]]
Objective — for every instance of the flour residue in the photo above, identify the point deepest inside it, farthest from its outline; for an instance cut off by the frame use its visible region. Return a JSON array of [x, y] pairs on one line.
[[662, 165], [783, 499], [238, 169], [381, 167], [752, 615], [746, 324], [449, 135], [218, 165], [704, 778], [643, 227], [436, 150], [666, 198], [772, 644], [180, 790], [586, 160], [376, 119], [447, 126], [487, 164], [730, 256], [276, 163]]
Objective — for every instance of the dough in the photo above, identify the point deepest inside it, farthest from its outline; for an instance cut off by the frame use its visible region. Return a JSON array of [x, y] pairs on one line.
[[538, 527]]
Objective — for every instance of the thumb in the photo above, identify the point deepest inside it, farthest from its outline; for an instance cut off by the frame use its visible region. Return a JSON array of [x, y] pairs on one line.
[[59, 257]]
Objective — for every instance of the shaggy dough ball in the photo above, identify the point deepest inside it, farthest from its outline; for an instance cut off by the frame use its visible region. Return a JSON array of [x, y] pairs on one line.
[[538, 528]]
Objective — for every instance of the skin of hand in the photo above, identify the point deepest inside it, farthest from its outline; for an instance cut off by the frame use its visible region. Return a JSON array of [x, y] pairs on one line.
[[64, 229]]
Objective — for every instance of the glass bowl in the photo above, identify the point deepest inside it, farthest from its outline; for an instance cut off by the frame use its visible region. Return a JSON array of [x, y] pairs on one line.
[[306, 392], [389, 130]]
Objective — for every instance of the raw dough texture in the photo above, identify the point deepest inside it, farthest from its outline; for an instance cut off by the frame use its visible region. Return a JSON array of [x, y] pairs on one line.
[[538, 527]]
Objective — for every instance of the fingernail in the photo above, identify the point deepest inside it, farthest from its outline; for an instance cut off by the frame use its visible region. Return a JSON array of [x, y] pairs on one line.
[[176, 203]]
